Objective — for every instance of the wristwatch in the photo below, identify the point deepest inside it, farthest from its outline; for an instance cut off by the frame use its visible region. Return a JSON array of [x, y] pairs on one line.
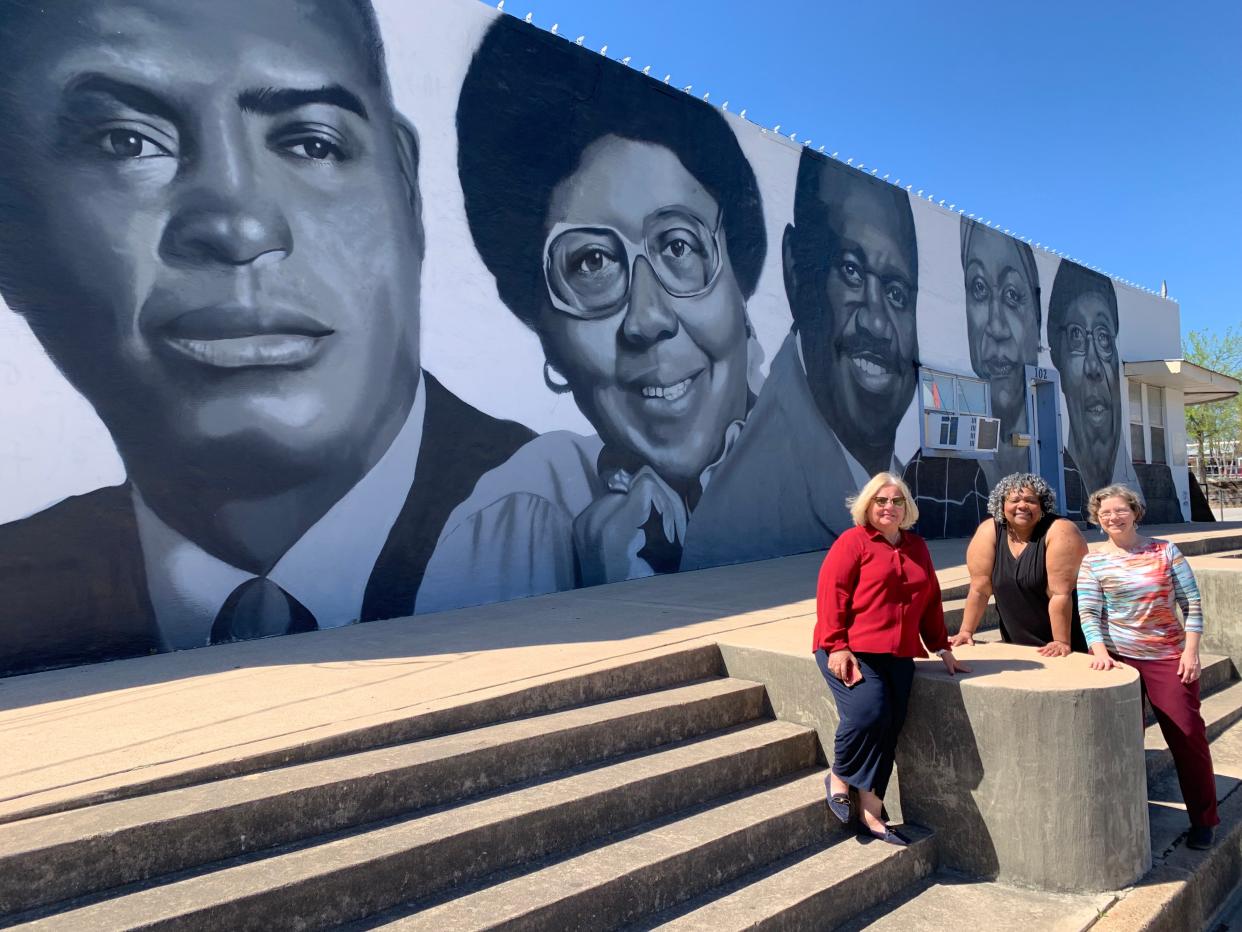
[[943, 651]]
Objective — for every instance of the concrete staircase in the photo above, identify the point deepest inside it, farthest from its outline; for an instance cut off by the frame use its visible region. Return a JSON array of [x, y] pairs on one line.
[[660, 793], [1184, 890]]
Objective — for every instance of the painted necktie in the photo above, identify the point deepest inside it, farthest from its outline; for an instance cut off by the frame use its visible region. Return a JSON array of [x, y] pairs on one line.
[[259, 608]]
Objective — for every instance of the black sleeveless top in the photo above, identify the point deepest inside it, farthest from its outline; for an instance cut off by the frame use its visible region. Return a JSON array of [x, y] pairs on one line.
[[1020, 586]]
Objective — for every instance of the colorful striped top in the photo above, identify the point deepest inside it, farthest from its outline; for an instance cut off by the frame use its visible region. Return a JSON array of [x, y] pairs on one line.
[[1126, 600]]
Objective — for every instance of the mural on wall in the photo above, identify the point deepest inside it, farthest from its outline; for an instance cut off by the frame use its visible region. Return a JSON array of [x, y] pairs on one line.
[[217, 225], [629, 239], [1083, 326], [841, 381], [1003, 323], [214, 231]]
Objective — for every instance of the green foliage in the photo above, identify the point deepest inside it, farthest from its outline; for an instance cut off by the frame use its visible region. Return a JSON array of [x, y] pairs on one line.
[[1219, 422]]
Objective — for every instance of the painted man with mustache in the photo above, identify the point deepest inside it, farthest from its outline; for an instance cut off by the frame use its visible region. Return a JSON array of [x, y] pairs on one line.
[[827, 418], [210, 218], [1082, 337]]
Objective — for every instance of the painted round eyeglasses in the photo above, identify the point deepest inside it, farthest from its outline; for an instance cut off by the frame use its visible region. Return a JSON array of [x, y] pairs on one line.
[[1079, 336], [589, 269]]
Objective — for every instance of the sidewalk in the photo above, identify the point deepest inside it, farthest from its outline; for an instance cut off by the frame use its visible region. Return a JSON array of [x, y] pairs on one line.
[[81, 732]]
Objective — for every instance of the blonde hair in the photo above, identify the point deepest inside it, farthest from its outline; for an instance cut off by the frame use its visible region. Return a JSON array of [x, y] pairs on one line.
[[1117, 490], [860, 503]]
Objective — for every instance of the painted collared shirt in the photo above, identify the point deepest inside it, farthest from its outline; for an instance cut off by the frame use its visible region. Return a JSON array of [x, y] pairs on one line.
[[326, 570]]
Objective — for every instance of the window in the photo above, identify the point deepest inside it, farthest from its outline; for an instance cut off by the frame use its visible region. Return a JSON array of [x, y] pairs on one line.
[[1155, 423], [1138, 449], [956, 415], [1147, 425], [955, 394]]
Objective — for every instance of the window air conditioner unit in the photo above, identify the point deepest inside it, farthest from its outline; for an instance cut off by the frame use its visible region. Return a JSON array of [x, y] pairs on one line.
[[966, 433]]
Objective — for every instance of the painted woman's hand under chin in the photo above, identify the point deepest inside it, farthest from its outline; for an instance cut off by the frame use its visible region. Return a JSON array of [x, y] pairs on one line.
[[634, 530]]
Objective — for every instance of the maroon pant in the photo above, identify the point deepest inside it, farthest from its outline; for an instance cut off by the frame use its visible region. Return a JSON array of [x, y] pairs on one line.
[[1177, 710]]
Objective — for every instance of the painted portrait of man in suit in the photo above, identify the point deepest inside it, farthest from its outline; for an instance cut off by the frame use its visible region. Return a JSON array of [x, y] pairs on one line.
[[210, 219], [851, 272], [1083, 325], [841, 382]]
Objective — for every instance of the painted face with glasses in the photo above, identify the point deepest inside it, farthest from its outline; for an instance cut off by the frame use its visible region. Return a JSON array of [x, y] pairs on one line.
[[1089, 376], [644, 317]]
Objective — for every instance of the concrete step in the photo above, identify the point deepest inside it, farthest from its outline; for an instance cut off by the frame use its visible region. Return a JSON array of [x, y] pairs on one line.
[[1217, 672], [815, 888], [947, 900], [653, 673], [345, 878], [644, 872], [70, 854], [1185, 889], [954, 609], [1220, 710]]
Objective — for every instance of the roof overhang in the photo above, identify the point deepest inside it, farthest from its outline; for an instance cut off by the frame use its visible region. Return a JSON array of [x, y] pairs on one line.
[[1197, 384]]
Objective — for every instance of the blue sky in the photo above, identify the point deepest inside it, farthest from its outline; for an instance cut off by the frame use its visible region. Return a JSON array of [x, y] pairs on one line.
[[1110, 131]]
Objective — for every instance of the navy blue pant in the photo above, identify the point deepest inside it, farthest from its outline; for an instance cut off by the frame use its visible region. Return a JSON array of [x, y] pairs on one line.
[[871, 714]]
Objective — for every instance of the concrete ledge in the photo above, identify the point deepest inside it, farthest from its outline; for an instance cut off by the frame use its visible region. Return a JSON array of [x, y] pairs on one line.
[[1220, 581], [1030, 771]]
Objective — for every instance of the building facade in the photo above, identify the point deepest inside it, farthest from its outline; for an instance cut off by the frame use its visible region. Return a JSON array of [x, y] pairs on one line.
[[303, 329]]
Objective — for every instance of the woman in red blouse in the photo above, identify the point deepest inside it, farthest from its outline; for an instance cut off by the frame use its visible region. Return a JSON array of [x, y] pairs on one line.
[[877, 595]]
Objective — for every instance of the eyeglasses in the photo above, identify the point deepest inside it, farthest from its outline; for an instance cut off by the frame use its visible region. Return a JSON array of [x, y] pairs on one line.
[[589, 269], [898, 501], [1079, 336], [1117, 512]]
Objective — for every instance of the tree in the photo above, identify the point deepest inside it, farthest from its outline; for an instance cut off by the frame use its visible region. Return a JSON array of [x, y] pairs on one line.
[[1220, 422]]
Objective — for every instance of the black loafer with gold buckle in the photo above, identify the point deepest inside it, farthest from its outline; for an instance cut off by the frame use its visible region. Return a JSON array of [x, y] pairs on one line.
[[839, 804]]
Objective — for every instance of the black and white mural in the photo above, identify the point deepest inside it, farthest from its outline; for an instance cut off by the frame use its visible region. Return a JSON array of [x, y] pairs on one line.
[[319, 312]]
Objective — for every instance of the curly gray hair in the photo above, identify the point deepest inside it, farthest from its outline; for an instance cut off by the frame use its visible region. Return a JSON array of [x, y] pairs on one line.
[[1013, 483]]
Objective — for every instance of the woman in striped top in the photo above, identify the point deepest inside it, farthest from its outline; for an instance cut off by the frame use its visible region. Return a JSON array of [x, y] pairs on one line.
[[1126, 594]]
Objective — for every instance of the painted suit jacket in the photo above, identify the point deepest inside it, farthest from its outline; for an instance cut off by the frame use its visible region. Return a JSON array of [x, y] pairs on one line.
[[73, 585], [782, 489]]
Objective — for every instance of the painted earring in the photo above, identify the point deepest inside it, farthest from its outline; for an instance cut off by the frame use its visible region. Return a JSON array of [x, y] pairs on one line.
[[553, 379]]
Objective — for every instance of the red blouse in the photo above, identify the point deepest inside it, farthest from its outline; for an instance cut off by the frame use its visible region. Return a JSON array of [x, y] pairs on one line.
[[878, 598]]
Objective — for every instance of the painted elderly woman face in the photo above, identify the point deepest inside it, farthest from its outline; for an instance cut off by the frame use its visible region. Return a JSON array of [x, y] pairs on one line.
[[1002, 318], [645, 318]]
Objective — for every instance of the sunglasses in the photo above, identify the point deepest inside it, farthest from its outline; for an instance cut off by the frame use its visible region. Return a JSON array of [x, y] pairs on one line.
[[898, 501]]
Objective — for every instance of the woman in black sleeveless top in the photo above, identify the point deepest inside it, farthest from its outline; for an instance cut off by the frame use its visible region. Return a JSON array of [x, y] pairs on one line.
[[1027, 557]]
